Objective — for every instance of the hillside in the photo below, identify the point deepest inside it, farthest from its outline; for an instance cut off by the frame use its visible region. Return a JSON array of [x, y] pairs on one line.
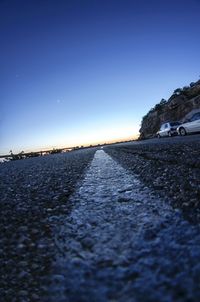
[[179, 106]]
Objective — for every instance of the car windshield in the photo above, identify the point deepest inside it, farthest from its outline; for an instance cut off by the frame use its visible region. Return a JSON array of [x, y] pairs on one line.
[[175, 124], [195, 117]]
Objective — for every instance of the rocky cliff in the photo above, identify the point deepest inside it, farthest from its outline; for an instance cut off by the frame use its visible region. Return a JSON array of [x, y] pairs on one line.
[[176, 108]]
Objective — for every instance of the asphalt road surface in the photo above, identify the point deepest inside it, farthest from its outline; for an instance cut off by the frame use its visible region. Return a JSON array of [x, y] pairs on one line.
[[114, 224], [167, 140]]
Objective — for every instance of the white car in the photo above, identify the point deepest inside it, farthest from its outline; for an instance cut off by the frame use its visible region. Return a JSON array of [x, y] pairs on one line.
[[190, 126], [168, 129]]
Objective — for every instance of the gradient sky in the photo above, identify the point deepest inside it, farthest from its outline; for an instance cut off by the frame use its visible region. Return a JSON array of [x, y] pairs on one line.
[[82, 71]]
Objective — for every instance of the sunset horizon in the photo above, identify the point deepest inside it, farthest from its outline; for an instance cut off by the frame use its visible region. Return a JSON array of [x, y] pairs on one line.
[[100, 150], [76, 73], [65, 146]]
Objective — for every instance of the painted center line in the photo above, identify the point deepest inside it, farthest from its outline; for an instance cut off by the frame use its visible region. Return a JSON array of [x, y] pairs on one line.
[[119, 239]]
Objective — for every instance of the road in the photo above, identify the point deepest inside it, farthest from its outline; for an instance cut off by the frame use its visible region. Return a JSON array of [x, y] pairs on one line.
[[169, 166], [167, 140], [114, 224]]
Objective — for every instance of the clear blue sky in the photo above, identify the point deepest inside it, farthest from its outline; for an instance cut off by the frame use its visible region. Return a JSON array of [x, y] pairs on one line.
[[83, 71]]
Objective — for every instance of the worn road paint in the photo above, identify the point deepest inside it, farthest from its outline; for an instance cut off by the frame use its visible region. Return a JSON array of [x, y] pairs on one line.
[[121, 243]]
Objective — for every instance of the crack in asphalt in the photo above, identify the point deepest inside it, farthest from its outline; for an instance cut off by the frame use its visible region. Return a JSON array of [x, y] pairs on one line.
[[121, 243]]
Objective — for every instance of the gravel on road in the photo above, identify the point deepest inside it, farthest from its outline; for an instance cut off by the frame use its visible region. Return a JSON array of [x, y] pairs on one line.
[[171, 168], [33, 192], [122, 243], [78, 227]]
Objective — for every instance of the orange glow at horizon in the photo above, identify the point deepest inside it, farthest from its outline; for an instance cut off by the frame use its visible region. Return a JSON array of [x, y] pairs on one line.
[[85, 144], [64, 139]]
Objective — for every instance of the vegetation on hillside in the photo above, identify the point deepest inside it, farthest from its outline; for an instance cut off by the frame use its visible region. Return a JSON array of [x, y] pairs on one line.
[[182, 101]]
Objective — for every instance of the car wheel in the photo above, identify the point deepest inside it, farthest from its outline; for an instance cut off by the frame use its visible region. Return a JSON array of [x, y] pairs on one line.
[[158, 136], [169, 134], [182, 131]]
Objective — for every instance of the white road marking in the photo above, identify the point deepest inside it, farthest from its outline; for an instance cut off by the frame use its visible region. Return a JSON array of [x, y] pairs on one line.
[[115, 220]]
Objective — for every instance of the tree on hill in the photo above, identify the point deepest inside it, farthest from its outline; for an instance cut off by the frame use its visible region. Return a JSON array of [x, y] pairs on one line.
[[177, 91]]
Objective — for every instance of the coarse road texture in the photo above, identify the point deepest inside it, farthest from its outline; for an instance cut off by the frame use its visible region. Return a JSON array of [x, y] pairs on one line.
[[113, 224], [32, 192], [121, 243], [170, 166]]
